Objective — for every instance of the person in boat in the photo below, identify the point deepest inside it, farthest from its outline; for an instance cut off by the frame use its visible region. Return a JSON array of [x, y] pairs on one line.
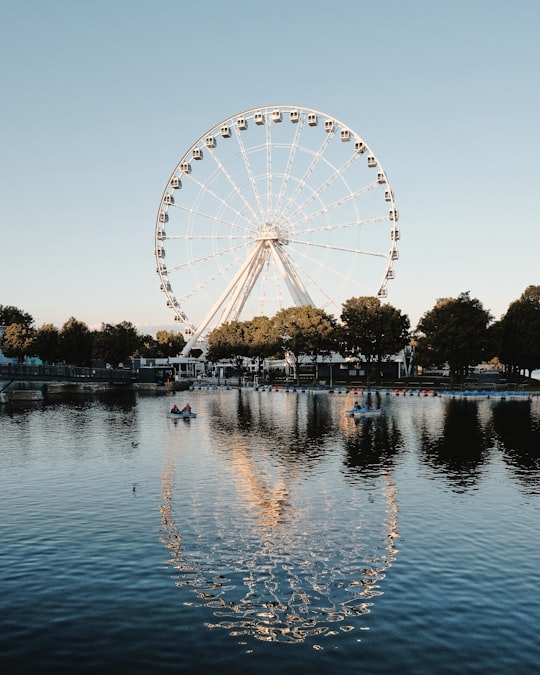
[[175, 409], [186, 408], [356, 406]]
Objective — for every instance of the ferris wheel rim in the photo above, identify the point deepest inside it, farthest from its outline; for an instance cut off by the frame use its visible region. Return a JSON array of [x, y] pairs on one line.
[[194, 330]]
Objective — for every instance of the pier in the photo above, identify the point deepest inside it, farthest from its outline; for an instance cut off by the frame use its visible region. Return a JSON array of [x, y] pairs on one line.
[[14, 372]]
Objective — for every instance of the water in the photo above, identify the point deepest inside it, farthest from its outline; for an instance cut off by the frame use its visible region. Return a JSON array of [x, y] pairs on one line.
[[270, 534]]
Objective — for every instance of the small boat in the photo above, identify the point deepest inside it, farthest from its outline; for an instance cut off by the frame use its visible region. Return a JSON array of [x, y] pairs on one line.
[[181, 415], [363, 411]]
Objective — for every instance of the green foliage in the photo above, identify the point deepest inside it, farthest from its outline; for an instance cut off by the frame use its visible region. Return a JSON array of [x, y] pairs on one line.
[[229, 341], [10, 314], [306, 330], [115, 343], [46, 343], [519, 332], [17, 341], [372, 331], [169, 343], [75, 343], [455, 331]]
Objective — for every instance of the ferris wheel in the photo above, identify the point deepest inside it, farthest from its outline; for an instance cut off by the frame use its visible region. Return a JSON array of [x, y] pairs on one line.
[[273, 207]]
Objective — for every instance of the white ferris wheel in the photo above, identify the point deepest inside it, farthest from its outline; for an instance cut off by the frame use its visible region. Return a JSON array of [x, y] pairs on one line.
[[273, 207]]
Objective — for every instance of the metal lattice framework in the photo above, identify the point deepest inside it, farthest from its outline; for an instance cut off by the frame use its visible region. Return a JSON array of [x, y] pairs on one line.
[[274, 206]]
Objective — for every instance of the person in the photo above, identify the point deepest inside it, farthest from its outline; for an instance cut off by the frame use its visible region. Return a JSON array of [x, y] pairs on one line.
[[175, 409], [356, 406], [186, 408]]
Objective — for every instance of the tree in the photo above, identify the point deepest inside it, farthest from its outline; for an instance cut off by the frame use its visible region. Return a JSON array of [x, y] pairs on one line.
[[372, 331], [308, 331], [169, 343], [10, 314], [455, 332], [146, 348], [519, 332], [75, 343], [46, 343], [263, 339], [229, 341], [17, 341], [115, 343]]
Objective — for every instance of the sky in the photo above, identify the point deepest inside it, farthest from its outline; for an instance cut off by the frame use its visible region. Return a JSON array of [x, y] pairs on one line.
[[101, 99]]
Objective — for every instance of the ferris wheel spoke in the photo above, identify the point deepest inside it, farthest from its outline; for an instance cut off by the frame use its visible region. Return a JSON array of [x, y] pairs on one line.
[[341, 226], [207, 281], [332, 247], [327, 270], [288, 171], [251, 176], [323, 187], [351, 196], [311, 167], [216, 219], [210, 256], [222, 201]]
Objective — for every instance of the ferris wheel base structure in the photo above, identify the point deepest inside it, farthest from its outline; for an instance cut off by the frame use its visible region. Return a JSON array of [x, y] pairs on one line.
[[275, 206]]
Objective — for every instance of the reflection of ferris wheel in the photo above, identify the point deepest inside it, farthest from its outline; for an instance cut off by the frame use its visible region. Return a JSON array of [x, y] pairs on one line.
[[273, 207]]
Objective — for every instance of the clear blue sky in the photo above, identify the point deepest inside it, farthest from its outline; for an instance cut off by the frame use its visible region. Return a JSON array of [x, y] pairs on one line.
[[102, 98]]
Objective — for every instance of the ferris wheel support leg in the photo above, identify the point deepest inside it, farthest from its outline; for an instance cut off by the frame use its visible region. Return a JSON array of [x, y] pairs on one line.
[[221, 301], [296, 288]]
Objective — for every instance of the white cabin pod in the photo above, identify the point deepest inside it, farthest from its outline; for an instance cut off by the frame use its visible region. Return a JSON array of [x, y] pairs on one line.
[[371, 161], [388, 195], [161, 269], [160, 253], [312, 119], [381, 178], [210, 142], [185, 167], [225, 131], [359, 147], [161, 234], [176, 183], [163, 217], [276, 115], [170, 303], [383, 293], [241, 123], [389, 274], [329, 126], [393, 214], [345, 135], [177, 317], [168, 199], [197, 153], [259, 118], [165, 287], [395, 254], [295, 116], [394, 235]]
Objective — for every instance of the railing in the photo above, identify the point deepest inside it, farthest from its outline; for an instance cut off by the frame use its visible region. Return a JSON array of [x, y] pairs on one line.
[[15, 371]]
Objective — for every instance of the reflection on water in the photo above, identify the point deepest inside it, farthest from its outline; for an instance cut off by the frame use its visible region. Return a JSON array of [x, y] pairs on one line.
[[278, 517], [290, 554]]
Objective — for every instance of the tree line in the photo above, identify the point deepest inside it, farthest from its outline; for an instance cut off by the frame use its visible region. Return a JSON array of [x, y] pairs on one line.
[[456, 333], [76, 344]]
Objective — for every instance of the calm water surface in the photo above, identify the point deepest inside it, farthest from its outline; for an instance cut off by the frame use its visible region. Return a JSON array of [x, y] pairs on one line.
[[270, 534]]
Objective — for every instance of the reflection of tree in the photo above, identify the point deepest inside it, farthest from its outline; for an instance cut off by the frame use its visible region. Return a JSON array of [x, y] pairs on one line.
[[374, 443], [519, 434], [459, 450], [299, 429], [272, 555]]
